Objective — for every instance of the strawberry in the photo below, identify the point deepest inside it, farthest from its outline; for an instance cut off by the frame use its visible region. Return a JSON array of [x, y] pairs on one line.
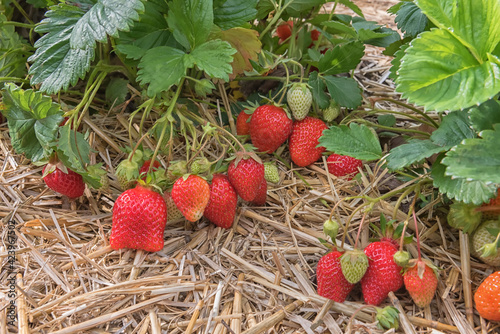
[[246, 175], [383, 274], [491, 210], [487, 298], [145, 167], [284, 31], [314, 34], [343, 165], [191, 194], [271, 173], [331, 282], [299, 99], [173, 211], [332, 112], [63, 180], [485, 234], [242, 124], [354, 264], [261, 197], [139, 219], [221, 207], [421, 281], [270, 127], [304, 141]]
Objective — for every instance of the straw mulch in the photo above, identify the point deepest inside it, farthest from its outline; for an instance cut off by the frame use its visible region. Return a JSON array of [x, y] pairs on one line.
[[257, 277]]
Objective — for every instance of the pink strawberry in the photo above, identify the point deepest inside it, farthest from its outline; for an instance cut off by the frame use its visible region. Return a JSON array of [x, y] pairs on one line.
[[221, 207], [421, 282], [65, 182], [261, 197], [383, 274], [304, 141], [246, 175], [270, 127], [139, 219], [242, 124], [191, 194], [343, 165], [331, 282]]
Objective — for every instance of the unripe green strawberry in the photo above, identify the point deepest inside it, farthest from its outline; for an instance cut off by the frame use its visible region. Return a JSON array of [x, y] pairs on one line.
[[332, 112], [331, 229], [486, 234], [271, 172], [299, 99], [402, 258], [354, 265]]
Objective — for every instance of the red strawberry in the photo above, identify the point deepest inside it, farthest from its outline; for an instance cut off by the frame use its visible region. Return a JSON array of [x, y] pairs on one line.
[[261, 197], [139, 219], [284, 31], [246, 176], [304, 140], [173, 211], [343, 165], [70, 184], [421, 282], [383, 274], [242, 124], [331, 282], [270, 127], [191, 194], [491, 210], [487, 298], [145, 167], [221, 207], [314, 34]]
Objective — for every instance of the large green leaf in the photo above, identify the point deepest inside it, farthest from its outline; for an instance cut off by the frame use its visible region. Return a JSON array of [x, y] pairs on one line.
[[336, 27], [474, 22], [72, 149], [484, 116], [454, 128], [12, 49], [161, 68], [297, 8], [151, 30], [476, 159], [342, 58], [214, 57], [318, 90], [414, 151], [33, 121], [410, 19], [356, 141], [66, 50], [476, 192], [352, 6], [344, 90], [191, 21], [440, 73], [234, 13]]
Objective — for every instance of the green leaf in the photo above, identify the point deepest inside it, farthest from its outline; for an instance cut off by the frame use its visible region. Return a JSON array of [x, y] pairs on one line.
[[234, 13], [476, 159], [116, 91], [214, 57], [318, 90], [410, 19], [33, 121], [297, 8], [344, 90], [454, 128], [65, 52], [485, 115], [191, 21], [12, 51], [336, 27], [356, 141], [342, 58], [473, 22], [382, 37], [149, 32], [476, 192], [352, 6], [396, 62], [72, 149], [386, 120], [161, 68], [438, 72], [414, 151]]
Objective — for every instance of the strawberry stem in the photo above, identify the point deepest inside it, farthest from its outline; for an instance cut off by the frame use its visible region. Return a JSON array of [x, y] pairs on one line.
[[359, 230], [418, 236]]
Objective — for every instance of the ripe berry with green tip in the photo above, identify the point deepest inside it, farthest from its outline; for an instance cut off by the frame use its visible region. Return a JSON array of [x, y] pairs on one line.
[[270, 127], [299, 99], [271, 172], [354, 264], [343, 165], [304, 141], [221, 208], [173, 211], [331, 281], [246, 175], [191, 194], [65, 182], [421, 282], [139, 219]]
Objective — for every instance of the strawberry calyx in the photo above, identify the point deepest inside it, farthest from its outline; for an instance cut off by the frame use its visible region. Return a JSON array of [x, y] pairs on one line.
[[387, 317], [53, 164], [421, 264], [242, 155]]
